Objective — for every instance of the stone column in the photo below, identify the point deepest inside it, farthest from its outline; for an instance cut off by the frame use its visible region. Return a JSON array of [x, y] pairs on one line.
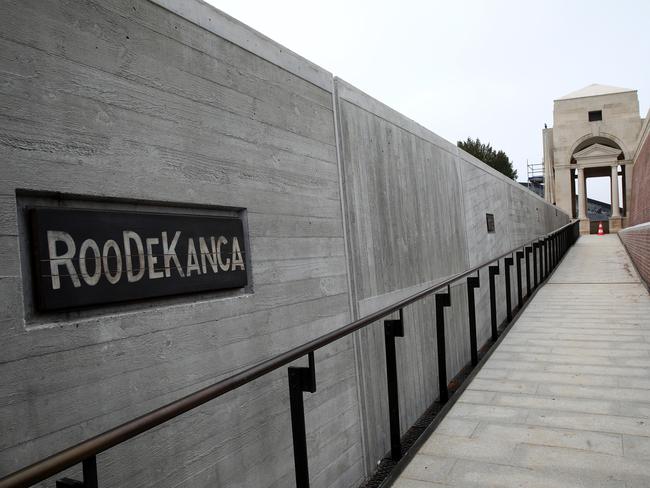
[[563, 182], [582, 202], [582, 194], [615, 220], [616, 211], [549, 180]]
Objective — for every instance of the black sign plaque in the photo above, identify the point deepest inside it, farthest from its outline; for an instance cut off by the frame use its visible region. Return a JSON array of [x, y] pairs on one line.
[[91, 257], [490, 222]]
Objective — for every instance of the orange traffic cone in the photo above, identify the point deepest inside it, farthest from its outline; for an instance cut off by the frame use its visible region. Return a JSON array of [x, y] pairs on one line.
[[600, 229]]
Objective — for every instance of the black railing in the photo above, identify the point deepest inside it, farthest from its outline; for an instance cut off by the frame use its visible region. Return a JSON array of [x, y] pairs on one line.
[[550, 248]]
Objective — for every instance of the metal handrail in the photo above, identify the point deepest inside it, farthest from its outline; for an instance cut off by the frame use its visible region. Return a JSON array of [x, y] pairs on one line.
[[81, 452]]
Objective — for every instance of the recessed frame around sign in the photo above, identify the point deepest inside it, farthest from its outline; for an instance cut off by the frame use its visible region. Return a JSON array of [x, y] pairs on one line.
[[89, 257]]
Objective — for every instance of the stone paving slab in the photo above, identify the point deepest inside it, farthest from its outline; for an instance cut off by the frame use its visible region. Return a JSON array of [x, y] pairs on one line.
[[564, 401]]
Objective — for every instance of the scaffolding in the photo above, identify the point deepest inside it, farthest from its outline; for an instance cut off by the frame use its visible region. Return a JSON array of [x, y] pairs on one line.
[[535, 172], [535, 181]]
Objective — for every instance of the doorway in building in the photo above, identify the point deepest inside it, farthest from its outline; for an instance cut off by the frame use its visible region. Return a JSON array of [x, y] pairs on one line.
[[599, 208], [598, 201]]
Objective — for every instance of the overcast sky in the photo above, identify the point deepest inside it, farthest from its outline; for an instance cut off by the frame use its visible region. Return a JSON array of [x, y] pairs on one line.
[[487, 69]]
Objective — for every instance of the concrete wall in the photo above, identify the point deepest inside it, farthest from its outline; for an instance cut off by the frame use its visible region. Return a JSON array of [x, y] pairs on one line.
[[416, 213], [637, 237], [124, 100], [640, 207], [175, 106], [404, 212]]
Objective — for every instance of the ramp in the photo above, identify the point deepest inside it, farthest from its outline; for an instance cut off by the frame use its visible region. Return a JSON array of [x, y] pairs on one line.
[[564, 401]]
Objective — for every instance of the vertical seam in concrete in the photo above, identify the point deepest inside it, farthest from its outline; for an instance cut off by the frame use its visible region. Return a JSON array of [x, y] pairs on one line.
[[459, 174], [350, 269]]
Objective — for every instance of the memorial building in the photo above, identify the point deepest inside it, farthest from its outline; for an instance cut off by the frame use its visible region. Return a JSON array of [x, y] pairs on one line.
[[595, 133]]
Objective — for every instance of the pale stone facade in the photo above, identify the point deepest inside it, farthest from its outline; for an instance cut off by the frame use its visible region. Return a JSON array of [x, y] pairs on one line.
[[595, 133]]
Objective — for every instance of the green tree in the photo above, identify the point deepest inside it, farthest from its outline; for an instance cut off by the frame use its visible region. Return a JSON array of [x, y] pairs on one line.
[[496, 159]]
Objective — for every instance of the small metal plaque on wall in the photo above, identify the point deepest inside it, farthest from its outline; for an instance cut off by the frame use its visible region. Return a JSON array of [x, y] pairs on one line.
[[91, 257], [490, 222]]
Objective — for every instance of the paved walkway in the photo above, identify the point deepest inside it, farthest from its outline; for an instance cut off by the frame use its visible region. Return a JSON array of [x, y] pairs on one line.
[[564, 401]]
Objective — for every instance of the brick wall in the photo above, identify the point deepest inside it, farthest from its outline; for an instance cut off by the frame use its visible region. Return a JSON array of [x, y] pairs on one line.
[[637, 237], [640, 207], [637, 243]]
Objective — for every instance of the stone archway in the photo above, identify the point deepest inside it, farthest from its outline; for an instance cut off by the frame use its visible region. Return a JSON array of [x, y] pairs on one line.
[[595, 157], [603, 139]]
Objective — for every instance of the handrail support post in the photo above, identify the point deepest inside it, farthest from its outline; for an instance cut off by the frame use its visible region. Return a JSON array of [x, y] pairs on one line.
[[393, 328], [472, 283], [535, 248], [528, 252], [492, 272], [519, 256], [442, 300], [507, 262], [89, 470], [301, 380]]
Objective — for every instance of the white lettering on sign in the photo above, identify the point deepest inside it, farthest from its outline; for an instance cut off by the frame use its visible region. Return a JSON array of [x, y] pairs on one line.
[[90, 279], [108, 245], [169, 253], [152, 259], [128, 256], [209, 255], [110, 262], [192, 260], [237, 259], [65, 259], [223, 265]]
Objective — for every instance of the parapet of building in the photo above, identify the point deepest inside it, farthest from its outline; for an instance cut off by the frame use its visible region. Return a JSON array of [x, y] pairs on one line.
[[595, 133]]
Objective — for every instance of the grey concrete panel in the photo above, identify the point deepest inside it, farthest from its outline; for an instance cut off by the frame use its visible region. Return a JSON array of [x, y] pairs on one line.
[[483, 194], [402, 197], [415, 209], [125, 100]]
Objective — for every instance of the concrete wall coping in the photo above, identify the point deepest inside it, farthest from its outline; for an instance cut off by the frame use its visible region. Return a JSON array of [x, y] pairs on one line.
[[635, 228], [214, 20]]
